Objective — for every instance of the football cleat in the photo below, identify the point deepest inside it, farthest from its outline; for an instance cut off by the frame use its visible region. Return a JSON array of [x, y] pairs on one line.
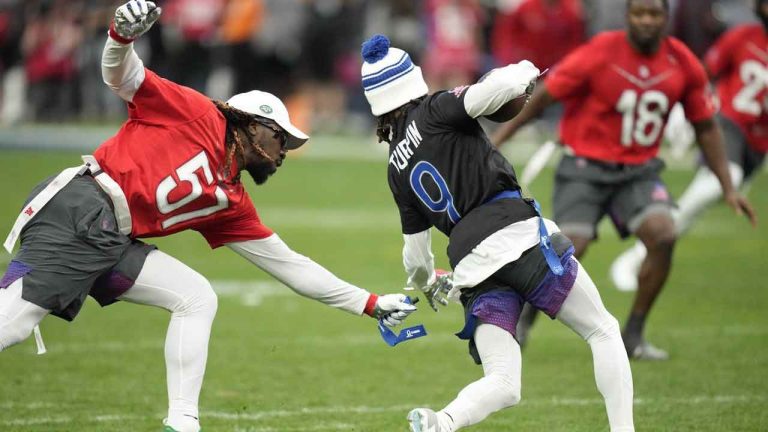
[[423, 420], [185, 423], [170, 429], [645, 351]]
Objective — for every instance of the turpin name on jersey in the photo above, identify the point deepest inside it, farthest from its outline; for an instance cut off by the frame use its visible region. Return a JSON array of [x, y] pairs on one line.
[[403, 151]]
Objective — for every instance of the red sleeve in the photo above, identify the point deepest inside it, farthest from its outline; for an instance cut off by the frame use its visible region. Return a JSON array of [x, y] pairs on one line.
[[161, 101], [572, 74], [718, 58], [698, 100], [240, 223]]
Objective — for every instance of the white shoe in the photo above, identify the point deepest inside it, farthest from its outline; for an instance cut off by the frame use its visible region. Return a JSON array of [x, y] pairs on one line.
[[183, 423], [626, 268], [423, 420]]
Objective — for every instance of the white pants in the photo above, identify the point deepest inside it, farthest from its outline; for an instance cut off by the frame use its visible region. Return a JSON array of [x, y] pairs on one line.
[[584, 313], [164, 282]]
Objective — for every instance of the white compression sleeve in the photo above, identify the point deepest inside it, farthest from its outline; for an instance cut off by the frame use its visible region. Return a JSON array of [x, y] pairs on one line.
[[418, 260], [583, 311], [703, 191], [17, 316], [499, 87], [498, 389], [301, 274], [168, 283], [121, 69]]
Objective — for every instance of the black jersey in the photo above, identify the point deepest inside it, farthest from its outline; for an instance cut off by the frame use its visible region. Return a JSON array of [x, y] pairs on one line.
[[443, 171]]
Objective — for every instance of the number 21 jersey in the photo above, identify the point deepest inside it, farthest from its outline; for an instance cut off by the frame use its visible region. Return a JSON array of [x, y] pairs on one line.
[[169, 160], [617, 100], [739, 61]]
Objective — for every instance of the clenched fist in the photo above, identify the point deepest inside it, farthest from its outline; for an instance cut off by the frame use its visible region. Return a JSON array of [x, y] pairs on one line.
[[134, 18]]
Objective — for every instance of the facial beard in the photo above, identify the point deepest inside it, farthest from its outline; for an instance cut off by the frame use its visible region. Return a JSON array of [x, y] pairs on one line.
[[646, 43], [260, 171]]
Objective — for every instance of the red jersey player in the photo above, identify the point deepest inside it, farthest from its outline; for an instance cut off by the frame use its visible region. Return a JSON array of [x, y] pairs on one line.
[[174, 165], [738, 62], [617, 90]]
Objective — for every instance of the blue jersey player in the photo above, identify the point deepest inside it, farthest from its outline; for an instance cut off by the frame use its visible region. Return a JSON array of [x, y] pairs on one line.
[[444, 173]]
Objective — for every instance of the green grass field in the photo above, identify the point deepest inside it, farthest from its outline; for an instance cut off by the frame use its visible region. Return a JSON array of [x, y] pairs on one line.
[[279, 362]]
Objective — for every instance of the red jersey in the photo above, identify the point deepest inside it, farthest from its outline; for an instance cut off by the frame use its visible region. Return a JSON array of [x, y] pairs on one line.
[[538, 31], [617, 100], [169, 160], [739, 62]]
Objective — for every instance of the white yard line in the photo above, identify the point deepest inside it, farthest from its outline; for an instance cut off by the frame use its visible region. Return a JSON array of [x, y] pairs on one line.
[[251, 292], [332, 410]]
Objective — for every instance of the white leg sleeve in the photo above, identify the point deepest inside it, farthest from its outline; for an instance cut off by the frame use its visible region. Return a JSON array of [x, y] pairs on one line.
[[584, 313], [17, 316], [703, 191], [168, 283], [498, 389]]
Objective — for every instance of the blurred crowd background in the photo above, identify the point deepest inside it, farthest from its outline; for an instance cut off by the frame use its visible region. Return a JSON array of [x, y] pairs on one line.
[[305, 51]]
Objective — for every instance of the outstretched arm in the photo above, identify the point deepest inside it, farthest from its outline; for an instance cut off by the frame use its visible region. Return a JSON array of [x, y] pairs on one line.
[[710, 139], [121, 69], [539, 101], [312, 280]]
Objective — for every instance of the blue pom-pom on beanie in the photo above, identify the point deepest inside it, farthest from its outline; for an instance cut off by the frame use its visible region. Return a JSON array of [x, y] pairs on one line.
[[375, 48]]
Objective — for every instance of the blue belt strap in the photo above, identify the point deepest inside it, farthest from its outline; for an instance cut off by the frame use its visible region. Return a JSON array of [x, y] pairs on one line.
[[553, 261], [507, 194]]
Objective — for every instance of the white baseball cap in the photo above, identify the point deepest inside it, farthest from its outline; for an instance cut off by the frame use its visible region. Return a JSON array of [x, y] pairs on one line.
[[269, 106]]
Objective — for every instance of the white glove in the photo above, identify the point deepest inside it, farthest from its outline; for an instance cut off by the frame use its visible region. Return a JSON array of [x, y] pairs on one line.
[[518, 76], [392, 309], [134, 18], [437, 292]]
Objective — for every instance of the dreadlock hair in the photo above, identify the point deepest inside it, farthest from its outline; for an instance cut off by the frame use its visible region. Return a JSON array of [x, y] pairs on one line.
[[238, 127], [385, 123]]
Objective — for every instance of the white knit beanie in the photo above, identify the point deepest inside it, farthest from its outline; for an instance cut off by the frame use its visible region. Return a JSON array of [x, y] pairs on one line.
[[390, 79]]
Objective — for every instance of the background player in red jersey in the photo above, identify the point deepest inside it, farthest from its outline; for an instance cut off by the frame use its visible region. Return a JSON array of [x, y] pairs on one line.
[[617, 90], [174, 165], [738, 62]]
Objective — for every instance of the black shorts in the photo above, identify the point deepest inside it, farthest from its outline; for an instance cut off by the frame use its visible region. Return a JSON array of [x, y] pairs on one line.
[[738, 150], [499, 299], [586, 190], [72, 248]]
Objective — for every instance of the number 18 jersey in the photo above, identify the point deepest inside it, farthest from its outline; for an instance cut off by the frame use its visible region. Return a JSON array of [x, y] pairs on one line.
[[617, 100], [169, 160]]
